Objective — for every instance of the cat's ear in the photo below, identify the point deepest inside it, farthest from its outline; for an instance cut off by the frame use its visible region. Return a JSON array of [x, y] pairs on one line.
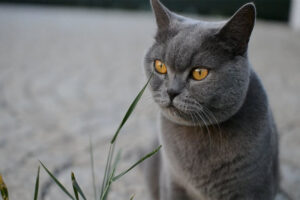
[[162, 14], [237, 31]]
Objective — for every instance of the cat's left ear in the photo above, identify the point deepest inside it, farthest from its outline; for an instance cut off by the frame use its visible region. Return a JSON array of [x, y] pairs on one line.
[[237, 31]]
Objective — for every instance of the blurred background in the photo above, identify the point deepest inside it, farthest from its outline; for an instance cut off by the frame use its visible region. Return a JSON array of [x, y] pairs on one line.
[[69, 69], [271, 9]]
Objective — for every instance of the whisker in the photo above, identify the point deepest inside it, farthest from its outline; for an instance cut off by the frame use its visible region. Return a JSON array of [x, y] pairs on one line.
[[217, 123], [194, 119], [207, 128], [214, 126], [212, 119], [198, 126]]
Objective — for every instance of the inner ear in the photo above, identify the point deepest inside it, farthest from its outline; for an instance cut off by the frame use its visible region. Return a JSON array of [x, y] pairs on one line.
[[237, 31]]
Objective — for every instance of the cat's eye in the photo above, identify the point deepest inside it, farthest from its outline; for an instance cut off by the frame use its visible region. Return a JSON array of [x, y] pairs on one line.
[[199, 73], [160, 67]]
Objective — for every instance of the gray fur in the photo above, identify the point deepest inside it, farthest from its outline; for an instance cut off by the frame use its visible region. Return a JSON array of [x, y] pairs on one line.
[[218, 135]]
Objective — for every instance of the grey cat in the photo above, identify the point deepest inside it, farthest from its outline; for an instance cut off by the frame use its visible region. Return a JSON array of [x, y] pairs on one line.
[[217, 130]]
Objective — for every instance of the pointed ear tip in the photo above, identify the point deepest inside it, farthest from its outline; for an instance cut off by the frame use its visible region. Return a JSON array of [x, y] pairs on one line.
[[156, 4], [250, 9], [250, 6]]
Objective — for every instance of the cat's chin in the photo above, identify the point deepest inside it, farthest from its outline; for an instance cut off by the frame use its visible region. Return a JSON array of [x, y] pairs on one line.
[[174, 115]]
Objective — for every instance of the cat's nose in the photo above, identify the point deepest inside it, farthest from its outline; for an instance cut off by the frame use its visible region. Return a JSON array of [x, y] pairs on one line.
[[172, 93]]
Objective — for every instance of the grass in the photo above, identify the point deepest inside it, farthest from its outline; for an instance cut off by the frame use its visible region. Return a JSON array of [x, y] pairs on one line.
[[3, 189], [110, 175]]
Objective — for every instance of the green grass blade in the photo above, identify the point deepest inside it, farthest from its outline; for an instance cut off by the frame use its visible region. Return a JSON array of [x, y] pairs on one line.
[[107, 169], [106, 189], [109, 181], [3, 189], [130, 109], [93, 168], [137, 163], [108, 185], [132, 197], [57, 182], [37, 183], [74, 188], [77, 187], [117, 159]]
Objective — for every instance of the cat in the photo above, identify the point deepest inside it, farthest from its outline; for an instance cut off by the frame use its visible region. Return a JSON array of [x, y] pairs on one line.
[[218, 134]]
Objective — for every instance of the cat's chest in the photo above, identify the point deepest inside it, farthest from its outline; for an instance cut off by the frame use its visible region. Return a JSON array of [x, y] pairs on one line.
[[194, 149], [195, 161], [198, 158]]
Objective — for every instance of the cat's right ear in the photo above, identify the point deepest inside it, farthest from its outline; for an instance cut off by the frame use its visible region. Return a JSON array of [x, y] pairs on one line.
[[162, 14]]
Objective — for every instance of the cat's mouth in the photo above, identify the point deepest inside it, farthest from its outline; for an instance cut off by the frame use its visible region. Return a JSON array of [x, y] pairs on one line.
[[183, 115], [176, 114], [179, 112], [171, 107]]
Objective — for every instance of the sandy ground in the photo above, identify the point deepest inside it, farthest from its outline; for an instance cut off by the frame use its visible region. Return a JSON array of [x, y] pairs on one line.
[[66, 74]]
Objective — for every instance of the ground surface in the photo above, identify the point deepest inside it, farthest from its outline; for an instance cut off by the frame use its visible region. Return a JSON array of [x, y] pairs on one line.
[[66, 74]]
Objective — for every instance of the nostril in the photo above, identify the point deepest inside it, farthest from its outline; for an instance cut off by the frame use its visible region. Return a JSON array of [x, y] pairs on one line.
[[172, 93]]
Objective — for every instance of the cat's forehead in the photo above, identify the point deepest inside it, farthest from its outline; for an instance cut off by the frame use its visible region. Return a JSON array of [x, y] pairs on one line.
[[187, 42]]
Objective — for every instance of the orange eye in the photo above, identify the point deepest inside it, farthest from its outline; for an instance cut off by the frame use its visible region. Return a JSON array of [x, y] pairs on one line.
[[200, 74], [160, 67]]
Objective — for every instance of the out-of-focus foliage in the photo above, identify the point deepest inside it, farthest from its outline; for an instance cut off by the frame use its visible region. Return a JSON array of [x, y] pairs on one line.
[[267, 9]]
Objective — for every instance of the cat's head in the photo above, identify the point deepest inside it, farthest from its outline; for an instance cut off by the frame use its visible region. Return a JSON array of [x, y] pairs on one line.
[[201, 70]]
